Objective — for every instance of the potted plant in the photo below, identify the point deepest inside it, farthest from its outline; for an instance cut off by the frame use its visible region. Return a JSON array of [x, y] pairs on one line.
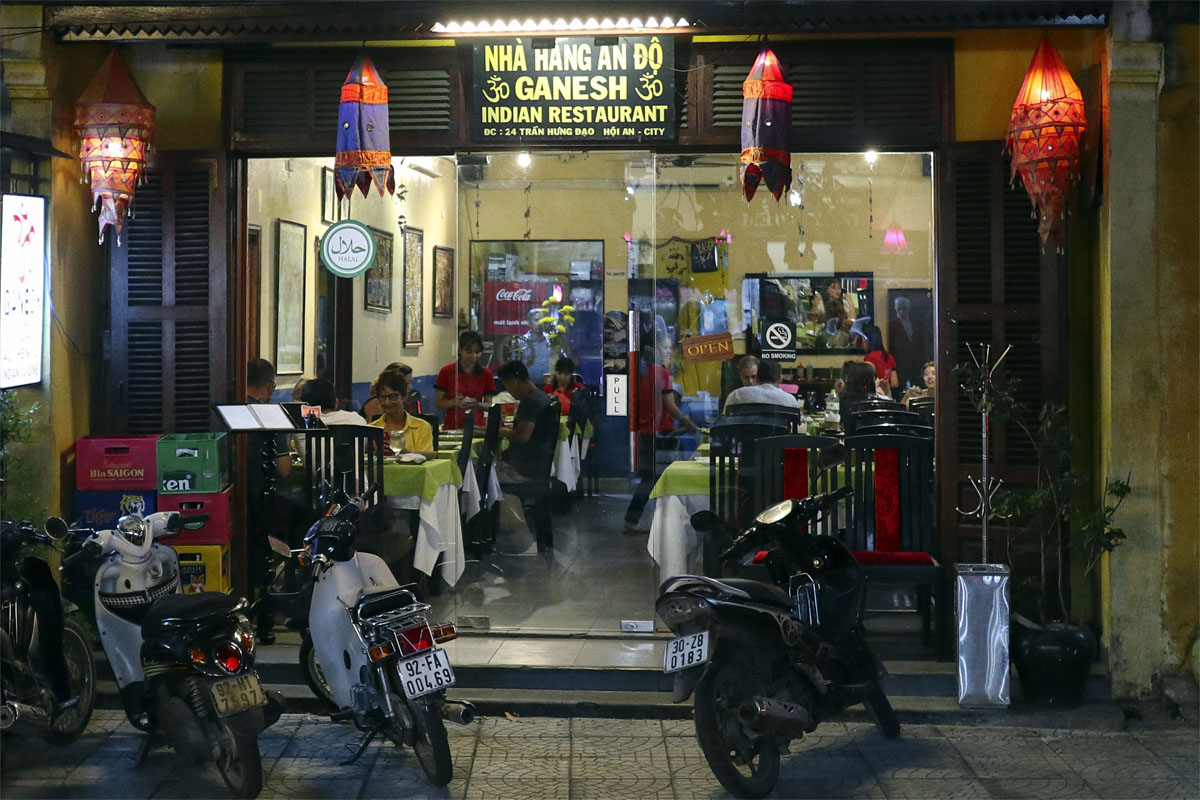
[[1053, 654]]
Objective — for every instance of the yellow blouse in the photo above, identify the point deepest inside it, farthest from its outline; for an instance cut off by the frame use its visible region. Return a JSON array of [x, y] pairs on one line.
[[418, 434]]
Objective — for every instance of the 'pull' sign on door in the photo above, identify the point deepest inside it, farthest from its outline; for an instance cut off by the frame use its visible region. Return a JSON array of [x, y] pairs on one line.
[[778, 340]]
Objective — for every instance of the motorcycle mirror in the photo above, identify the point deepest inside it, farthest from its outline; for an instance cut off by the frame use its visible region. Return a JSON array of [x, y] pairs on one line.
[[705, 520], [56, 528], [279, 546], [831, 456], [194, 522], [343, 458], [174, 523]]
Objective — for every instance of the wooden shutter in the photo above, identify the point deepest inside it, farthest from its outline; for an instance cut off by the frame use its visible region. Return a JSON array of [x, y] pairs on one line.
[[996, 285], [167, 302]]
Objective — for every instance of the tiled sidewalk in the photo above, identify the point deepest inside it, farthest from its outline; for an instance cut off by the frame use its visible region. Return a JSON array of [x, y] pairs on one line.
[[608, 758]]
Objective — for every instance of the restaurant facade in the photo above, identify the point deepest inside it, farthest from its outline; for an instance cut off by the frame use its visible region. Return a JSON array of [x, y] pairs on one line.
[[573, 192]]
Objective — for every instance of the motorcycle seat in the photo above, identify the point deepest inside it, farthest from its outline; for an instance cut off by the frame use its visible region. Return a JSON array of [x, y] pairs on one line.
[[761, 592], [189, 608]]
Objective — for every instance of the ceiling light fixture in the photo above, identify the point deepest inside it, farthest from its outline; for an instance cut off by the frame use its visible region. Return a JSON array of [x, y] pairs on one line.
[[547, 26]]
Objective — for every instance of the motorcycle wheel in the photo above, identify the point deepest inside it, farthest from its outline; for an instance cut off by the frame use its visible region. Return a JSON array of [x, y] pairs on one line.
[[313, 675], [240, 763], [432, 746], [745, 768], [880, 710], [81, 671]]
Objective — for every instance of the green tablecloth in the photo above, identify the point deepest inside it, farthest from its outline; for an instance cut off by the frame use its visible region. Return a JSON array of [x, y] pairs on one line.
[[420, 479], [682, 477]]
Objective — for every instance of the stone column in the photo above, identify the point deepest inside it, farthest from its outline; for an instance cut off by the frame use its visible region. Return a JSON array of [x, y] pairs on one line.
[[1133, 340]]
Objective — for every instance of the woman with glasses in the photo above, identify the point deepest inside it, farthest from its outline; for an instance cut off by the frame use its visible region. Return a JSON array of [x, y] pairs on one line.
[[391, 388], [373, 408]]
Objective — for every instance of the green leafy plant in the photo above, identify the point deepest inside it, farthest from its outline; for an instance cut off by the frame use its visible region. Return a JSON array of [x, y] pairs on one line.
[[1045, 511], [18, 478]]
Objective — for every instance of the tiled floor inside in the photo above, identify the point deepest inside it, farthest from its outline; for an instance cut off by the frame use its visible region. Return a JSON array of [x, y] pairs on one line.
[[594, 577]]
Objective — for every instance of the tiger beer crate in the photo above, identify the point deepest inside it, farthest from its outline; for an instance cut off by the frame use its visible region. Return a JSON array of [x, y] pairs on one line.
[[193, 463], [203, 567], [114, 463], [101, 510]]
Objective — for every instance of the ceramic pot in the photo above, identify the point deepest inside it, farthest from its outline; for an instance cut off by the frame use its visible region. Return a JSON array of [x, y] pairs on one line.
[[1053, 661]]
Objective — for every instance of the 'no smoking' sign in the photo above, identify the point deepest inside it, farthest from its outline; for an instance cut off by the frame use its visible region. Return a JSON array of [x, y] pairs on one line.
[[778, 340]]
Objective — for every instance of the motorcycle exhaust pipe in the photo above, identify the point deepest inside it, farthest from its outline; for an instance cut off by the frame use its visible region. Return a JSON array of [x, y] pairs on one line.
[[463, 713], [775, 717], [13, 713]]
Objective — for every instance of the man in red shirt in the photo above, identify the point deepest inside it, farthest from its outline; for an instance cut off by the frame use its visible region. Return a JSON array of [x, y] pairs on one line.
[[657, 413], [465, 383]]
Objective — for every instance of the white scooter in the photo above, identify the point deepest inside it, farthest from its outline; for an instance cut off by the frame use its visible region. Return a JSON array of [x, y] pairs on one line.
[[184, 663], [377, 654]]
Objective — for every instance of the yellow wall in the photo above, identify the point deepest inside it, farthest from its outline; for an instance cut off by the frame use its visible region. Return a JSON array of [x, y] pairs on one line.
[[290, 189], [989, 66]]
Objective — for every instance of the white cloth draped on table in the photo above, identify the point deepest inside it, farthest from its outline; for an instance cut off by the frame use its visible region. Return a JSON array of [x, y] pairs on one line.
[[471, 496], [440, 531], [566, 464], [674, 544]]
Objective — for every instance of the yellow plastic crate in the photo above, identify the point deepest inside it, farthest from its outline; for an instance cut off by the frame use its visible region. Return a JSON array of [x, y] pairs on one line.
[[203, 567]]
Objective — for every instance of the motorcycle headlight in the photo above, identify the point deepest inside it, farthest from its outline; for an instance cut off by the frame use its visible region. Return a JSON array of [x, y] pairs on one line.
[[776, 513], [133, 528]]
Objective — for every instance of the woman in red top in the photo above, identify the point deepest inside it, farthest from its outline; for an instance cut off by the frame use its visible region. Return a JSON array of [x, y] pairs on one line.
[[465, 383], [878, 357], [562, 383]]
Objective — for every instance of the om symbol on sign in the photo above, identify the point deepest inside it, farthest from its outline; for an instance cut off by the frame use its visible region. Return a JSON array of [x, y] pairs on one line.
[[496, 90], [651, 86]]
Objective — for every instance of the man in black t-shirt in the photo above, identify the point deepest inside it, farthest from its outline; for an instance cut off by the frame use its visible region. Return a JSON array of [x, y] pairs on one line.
[[521, 460]]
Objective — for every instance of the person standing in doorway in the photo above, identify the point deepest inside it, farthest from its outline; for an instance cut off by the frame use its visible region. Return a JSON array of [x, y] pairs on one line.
[[268, 460], [657, 414], [464, 384]]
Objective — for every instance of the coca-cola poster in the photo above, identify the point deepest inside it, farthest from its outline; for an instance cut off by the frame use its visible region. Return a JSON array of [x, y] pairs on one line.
[[506, 306]]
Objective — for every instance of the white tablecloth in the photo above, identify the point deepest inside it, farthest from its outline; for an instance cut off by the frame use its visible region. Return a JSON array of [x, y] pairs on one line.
[[471, 496], [674, 544], [440, 531], [566, 463]]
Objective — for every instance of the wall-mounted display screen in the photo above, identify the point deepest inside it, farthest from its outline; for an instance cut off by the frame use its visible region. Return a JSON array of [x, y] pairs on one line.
[[22, 288]]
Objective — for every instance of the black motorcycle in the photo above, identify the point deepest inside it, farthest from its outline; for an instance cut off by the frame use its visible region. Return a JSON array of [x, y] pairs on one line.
[[768, 662], [47, 677], [184, 663]]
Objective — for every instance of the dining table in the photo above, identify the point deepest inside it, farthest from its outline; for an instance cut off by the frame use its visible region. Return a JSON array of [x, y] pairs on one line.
[[431, 489], [680, 491]]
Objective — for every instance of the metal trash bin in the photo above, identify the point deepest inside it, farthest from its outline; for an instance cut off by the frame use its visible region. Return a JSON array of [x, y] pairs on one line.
[[982, 612]]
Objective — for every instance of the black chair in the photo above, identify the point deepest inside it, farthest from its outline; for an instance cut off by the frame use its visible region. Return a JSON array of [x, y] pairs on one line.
[[788, 469], [356, 468], [793, 416], [892, 521], [583, 404], [468, 436], [535, 493], [481, 528], [732, 469], [925, 406], [873, 402], [896, 428], [433, 423]]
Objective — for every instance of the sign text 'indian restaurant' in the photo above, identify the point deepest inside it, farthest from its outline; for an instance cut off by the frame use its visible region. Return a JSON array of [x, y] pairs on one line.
[[582, 88]]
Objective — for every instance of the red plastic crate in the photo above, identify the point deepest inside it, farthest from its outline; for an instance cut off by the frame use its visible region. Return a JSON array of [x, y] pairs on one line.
[[218, 529], [112, 463]]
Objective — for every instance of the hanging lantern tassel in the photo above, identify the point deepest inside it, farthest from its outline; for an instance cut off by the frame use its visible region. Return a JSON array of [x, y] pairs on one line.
[[364, 147], [1044, 135], [115, 125], [766, 123]]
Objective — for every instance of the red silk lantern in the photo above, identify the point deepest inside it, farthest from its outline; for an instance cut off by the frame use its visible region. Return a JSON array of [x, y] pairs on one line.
[[1044, 135], [894, 241], [115, 125], [766, 121]]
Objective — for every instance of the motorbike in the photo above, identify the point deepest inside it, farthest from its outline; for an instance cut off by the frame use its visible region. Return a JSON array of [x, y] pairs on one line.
[[47, 677], [184, 663], [373, 650], [769, 662]]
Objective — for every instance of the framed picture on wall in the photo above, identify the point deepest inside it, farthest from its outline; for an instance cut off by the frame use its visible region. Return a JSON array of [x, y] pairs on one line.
[[329, 201], [378, 295], [291, 254], [443, 282], [910, 332], [414, 287]]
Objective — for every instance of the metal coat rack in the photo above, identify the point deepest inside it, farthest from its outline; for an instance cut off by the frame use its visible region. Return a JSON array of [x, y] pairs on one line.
[[987, 486]]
